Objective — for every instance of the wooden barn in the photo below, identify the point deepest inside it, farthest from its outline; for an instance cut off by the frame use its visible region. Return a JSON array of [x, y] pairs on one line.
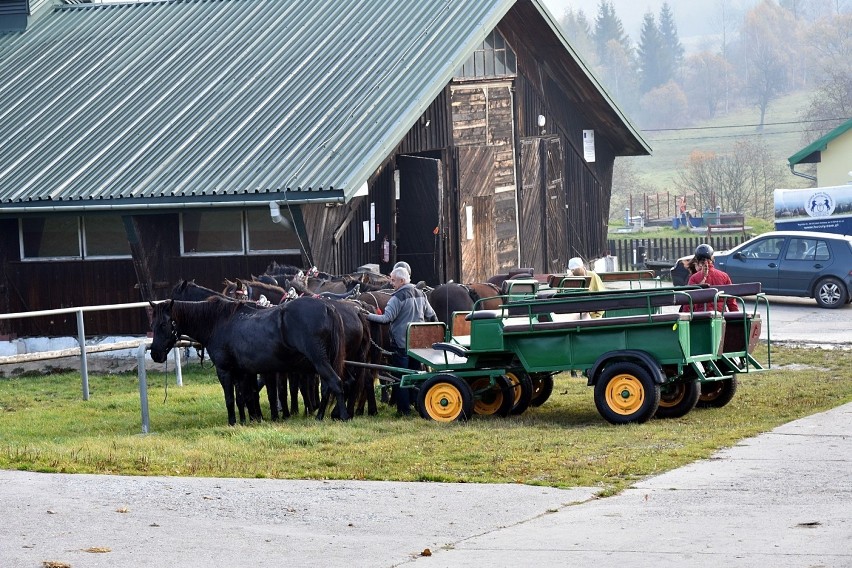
[[147, 142]]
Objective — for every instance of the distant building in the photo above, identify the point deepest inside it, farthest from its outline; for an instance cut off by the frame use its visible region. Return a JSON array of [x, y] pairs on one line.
[[832, 154]]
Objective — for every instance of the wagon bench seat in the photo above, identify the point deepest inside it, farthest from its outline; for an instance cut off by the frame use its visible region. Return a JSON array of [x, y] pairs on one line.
[[598, 322]]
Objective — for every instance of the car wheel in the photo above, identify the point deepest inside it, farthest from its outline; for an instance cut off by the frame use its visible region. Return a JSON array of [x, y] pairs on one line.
[[830, 293]]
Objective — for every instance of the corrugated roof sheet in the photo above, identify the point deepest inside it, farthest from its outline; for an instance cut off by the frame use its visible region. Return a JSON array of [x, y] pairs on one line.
[[202, 100], [220, 97]]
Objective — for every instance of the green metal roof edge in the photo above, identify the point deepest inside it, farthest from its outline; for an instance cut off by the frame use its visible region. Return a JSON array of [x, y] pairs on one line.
[[557, 29], [407, 119], [819, 144]]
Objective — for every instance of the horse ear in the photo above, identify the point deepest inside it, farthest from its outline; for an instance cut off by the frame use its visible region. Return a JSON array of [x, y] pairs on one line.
[[153, 305], [228, 282]]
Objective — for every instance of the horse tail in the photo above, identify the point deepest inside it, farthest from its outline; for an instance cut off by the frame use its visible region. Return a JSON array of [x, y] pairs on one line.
[[337, 349]]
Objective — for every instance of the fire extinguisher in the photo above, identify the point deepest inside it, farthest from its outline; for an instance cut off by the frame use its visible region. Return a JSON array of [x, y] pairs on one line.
[[385, 250]]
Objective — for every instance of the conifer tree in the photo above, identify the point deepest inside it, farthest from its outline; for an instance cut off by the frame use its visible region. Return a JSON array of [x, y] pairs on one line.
[[672, 51], [650, 55]]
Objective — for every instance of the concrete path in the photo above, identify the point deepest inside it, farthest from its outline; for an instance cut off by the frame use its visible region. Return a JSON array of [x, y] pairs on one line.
[[781, 499]]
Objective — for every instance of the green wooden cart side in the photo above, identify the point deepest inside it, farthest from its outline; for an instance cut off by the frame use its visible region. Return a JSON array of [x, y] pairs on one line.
[[622, 356]]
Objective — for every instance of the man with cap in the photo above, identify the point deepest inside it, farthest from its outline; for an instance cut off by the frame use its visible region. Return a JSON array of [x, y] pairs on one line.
[[406, 305], [577, 268], [403, 264]]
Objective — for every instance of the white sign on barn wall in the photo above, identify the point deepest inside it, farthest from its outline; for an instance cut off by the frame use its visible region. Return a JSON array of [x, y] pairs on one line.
[[589, 145]]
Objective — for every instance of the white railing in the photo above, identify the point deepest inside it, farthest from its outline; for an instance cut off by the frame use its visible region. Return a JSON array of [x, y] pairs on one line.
[[142, 345]]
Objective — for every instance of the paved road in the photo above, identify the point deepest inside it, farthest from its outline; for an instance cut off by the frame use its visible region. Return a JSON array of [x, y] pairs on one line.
[[801, 321]]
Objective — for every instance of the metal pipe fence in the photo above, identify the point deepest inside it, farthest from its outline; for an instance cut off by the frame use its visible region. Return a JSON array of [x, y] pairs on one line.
[[141, 345]]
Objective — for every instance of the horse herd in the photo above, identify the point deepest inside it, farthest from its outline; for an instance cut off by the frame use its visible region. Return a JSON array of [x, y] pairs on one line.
[[289, 328]]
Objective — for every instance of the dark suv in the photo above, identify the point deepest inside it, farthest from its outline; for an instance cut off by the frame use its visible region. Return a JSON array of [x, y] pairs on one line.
[[789, 263]]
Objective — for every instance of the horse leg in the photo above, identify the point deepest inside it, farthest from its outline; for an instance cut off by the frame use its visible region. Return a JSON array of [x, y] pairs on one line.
[[281, 401], [351, 389], [331, 384], [248, 397], [310, 389], [250, 387], [372, 407], [228, 389], [270, 380], [323, 403], [294, 379]]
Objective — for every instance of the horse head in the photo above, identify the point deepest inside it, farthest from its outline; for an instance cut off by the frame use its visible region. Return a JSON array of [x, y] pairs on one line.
[[238, 290], [165, 331]]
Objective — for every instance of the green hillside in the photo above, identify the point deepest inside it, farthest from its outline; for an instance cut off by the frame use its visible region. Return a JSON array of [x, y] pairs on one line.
[[671, 149]]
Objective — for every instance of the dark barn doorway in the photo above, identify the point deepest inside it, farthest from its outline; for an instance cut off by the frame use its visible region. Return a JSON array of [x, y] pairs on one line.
[[419, 225]]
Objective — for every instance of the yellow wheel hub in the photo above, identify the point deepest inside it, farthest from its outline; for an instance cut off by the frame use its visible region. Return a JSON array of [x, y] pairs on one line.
[[487, 398], [625, 394], [443, 402]]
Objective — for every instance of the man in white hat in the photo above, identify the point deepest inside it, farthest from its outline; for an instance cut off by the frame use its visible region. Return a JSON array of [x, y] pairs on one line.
[[577, 268]]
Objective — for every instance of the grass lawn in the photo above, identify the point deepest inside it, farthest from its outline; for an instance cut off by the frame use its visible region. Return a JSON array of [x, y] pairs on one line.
[[45, 426]]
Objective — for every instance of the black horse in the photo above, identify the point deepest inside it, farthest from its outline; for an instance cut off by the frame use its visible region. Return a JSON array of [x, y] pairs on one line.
[[304, 335], [453, 297], [278, 385], [245, 389]]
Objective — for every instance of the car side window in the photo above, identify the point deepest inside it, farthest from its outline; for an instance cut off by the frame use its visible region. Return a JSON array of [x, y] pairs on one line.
[[798, 249], [821, 251], [765, 249]]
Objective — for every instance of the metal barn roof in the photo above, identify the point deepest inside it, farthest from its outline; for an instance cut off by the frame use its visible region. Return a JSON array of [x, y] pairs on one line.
[[167, 103]]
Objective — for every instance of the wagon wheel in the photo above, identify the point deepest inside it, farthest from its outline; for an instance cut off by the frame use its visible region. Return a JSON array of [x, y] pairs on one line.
[[716, 394], [497, 399], [677, 399], [542, 386], [522, 390], [625, 392], [445, 398]]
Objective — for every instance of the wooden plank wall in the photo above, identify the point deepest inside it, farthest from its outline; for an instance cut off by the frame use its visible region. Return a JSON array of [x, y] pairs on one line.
[[483, 115]]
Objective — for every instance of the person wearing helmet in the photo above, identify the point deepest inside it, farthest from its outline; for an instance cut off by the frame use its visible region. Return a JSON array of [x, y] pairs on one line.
[[402, 264], [707, 275]]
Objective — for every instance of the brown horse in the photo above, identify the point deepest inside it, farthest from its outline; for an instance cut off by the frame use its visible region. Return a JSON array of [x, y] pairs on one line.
[[253, 290]]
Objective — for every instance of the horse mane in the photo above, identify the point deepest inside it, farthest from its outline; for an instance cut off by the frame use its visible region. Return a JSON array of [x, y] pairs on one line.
[[188, 290], [268, 287], [275, 269]]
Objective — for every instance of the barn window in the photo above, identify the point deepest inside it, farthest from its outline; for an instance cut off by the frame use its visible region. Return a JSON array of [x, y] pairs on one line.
[[264, 236], [73, 237], [104, 237], [492, 58], [211, 232], [234, 232], [57, 236]]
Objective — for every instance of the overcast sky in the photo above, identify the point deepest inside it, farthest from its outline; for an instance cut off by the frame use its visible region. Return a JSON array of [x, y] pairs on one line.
[[692, 18]]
